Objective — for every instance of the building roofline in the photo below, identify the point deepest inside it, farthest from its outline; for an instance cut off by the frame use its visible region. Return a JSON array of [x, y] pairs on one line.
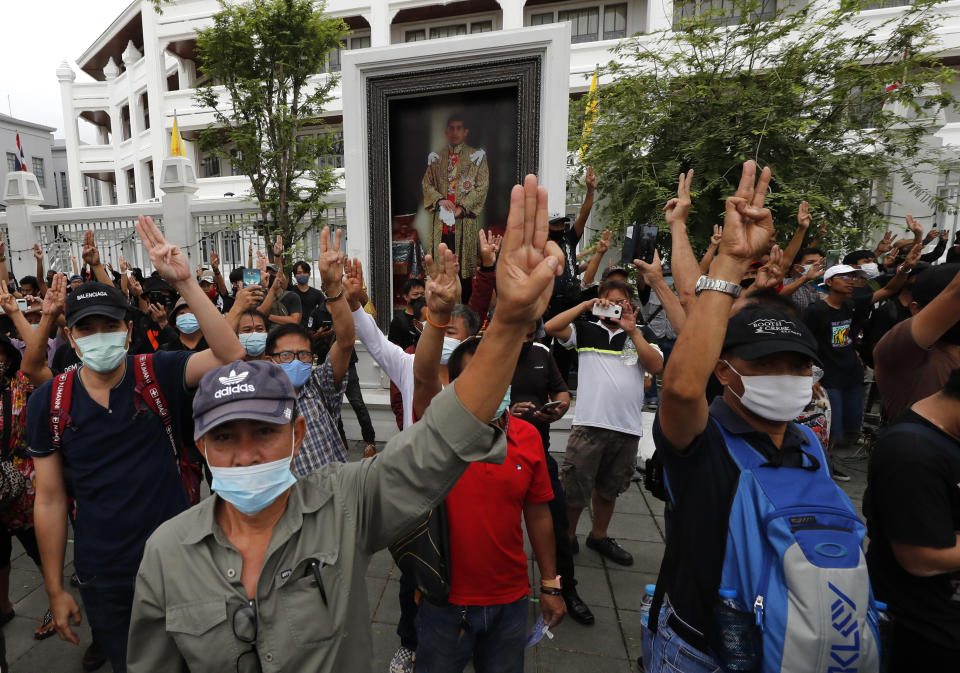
[[27, 124], [122, 20]]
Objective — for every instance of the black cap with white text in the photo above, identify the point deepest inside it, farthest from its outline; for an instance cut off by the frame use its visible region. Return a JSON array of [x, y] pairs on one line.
[[95, 299]]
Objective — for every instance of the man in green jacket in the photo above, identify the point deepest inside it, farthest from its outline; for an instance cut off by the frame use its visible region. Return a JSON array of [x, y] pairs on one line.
[[268, 575]]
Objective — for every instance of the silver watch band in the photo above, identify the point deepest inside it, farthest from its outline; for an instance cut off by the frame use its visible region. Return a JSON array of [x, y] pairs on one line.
[[717, 285]]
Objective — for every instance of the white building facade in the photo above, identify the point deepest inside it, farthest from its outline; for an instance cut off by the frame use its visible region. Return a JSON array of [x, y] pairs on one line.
[[145, 70]]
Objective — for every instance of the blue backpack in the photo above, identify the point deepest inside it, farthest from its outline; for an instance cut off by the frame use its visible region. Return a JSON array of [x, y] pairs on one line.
[[794, 553]]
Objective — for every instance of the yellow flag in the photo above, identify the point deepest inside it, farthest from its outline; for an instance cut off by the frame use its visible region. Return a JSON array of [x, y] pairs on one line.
[[176, 142], [590, 114]]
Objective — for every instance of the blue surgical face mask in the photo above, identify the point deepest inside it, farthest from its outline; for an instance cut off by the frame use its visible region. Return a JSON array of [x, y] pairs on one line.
[[302, 279], [503, 404], [104, 351], [297, 371], [253, 342], [253, 488], [187, 323], [449, 345]]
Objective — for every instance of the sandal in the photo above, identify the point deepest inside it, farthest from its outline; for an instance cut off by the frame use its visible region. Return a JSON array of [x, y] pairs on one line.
[[7, 617], [46, 628]]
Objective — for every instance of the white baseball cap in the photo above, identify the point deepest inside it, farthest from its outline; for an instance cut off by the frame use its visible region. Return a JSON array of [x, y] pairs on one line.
[[842, 268]]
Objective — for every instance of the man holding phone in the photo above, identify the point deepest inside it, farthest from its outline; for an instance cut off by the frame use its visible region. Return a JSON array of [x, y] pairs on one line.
[[602, 448]]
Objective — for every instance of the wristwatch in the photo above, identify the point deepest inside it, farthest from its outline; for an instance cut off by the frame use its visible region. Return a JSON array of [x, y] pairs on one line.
[[708, 283]]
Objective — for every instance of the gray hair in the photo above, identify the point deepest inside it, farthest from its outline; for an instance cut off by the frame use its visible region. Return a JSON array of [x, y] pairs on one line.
[[470, 317]]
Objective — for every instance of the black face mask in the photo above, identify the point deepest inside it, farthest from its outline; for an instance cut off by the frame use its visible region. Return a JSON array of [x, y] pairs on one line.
[[417, 305]]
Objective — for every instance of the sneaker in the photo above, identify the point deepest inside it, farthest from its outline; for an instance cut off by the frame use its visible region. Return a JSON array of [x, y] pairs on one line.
[[370, 450], [608, 547], [839, 476], [402, 661]]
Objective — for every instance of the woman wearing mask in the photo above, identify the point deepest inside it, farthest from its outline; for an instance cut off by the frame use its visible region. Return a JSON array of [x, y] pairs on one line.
[[189, 335]]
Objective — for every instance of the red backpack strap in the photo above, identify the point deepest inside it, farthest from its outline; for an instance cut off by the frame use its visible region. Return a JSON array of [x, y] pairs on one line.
[[61, 395], [148, 390]]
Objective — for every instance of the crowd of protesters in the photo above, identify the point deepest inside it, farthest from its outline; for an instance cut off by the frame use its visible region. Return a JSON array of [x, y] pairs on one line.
[[127, 397]]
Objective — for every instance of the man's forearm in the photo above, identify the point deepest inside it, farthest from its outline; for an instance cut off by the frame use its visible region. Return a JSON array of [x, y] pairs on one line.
[[892, 288], [50, 524], [584, 213], [542, 541], [927, 561], [35, 353], [220, 337], [793, 247], [285, 319], [100, 274], [592, 267], [684, 265], [426, 366], [41, 278], [649, 357], [671, 305], [559, 323], [343, 347], [707, 259]]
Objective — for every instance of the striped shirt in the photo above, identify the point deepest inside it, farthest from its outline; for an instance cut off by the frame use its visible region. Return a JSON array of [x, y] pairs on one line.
[[319, 403]]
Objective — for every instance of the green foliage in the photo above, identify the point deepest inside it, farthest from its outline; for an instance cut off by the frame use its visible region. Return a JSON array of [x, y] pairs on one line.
[[260, 58], [800, 90]]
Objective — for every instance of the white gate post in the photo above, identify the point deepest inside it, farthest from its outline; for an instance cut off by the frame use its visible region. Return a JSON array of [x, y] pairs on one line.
[[178, 182], [21, 191]]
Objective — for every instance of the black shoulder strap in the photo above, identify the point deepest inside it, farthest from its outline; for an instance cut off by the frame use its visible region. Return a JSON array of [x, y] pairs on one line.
[[646, 321]]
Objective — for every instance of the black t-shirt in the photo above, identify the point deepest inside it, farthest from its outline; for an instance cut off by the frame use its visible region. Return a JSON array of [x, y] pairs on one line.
[[913, 497], [64, 359], [536, 379], [566, 287], [125, 476], [308, 300], [702, 481], [402, 331], [835, 330]]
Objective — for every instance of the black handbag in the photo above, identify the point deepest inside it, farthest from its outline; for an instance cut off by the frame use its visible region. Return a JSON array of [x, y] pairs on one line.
[[423, 556]]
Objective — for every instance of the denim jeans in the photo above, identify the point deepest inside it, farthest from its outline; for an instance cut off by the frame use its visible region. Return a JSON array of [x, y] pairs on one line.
[[108, 604], [493, 639], [846, 410], [671, 654]]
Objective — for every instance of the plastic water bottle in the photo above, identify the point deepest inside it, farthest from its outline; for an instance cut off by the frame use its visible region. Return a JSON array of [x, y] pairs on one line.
[[741, 646], [885, 627], [628, 355], [646, 637]]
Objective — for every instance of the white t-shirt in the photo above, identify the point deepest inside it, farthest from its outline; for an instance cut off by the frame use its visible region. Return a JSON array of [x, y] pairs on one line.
[[609, 392]]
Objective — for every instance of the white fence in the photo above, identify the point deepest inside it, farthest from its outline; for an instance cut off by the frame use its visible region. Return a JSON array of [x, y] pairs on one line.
[[227, 226]]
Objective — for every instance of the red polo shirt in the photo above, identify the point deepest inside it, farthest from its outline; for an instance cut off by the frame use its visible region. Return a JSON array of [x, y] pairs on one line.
[[485, 508]]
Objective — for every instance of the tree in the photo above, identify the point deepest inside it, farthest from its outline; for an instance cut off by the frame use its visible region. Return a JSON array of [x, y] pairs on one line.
[[260, 58], [803, 90]]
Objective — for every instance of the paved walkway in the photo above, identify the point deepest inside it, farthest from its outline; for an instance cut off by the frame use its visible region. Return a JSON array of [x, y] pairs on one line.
[[612, 645]]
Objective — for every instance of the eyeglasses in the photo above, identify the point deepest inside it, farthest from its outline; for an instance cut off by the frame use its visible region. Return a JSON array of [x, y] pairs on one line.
[[289, 356], [245, 630]]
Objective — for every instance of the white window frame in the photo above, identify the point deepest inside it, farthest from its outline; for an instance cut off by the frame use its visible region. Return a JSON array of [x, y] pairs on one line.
[[554, 11], [399, 30]]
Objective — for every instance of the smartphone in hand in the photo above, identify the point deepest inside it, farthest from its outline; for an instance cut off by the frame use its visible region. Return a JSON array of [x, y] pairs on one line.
[[611, 311], [549, 407], [251, 277]]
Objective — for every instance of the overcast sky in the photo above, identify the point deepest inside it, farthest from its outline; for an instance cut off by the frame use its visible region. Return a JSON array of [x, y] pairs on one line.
[[37, 36]]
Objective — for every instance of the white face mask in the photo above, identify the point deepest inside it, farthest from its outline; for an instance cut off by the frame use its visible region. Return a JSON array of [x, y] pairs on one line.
[[871, 269], [449, 345], [776, 398]]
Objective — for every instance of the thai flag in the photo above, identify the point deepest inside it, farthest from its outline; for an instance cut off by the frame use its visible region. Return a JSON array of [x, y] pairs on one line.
[[22, 161]]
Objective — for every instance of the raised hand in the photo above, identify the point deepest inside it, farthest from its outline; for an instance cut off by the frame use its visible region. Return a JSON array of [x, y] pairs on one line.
[[56, 296], [771, 274], [528, 259], [330, 261], [815, 271], [91, 255], [604, 243], [7, 301], [442, 289], [912, 257], [628, 318], [677, 209], [489, 245], [886, 243], [717, 235], [123, 264], [249, 297], [803, 216], [133, 286], [651, 273], [748, 226], [214, 260], [167, 259], [353, 282], [37, 252], [591, 179], [278, 247], [915, 227], [932, 234]]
